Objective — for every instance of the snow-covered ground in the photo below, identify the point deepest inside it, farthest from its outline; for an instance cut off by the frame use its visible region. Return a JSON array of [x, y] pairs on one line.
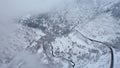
[[24, 47]]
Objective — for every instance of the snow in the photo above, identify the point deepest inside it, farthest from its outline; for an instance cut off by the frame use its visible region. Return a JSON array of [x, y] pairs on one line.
[[102, 28], [15, 38], [117, 59], [70, 48]]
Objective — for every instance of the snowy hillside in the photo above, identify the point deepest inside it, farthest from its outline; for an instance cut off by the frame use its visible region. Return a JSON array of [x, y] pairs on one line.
[[76, 34]]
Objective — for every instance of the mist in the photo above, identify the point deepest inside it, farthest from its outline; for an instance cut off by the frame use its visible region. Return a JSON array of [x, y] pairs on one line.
[[12, 9], [91, 17]]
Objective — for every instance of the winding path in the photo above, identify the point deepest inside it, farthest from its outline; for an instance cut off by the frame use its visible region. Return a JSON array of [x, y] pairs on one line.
[[105, 43]]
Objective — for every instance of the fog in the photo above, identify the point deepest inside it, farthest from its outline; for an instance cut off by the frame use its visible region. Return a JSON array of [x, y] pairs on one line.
[[11, 9]]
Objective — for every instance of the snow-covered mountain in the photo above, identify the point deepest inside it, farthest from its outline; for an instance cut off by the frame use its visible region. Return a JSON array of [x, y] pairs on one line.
[[78, 34]]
